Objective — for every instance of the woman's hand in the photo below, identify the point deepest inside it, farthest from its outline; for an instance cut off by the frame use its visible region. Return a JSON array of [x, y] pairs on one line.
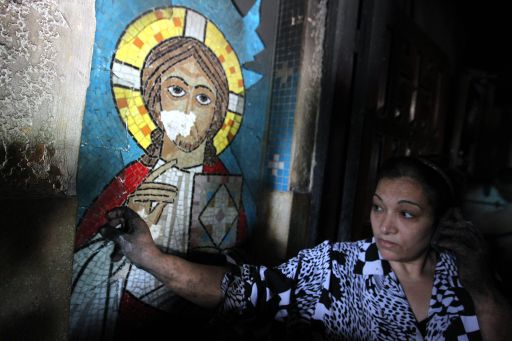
[[150, 192], [131, 236], [467, 243], [475, 272], [196, 282]]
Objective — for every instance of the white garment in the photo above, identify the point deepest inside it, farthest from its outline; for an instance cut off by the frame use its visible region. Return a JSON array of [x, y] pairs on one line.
[[98, 283], [170, 234]]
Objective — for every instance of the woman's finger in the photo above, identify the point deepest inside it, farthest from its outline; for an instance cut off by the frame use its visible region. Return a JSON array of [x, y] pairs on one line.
[[452, 245], [115, 213], [465, 238], [110, 232], [459, 224], [116, 222], [117, 253], [458, 232]]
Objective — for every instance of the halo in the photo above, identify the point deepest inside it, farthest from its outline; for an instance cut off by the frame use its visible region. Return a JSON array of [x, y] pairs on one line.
[[139, 38]]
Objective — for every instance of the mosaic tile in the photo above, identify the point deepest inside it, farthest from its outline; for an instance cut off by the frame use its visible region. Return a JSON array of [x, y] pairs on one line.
[[286, 77], [117, 131], [215, 208]]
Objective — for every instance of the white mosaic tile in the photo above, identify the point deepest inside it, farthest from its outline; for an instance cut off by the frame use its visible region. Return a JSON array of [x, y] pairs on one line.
[[195, 25], [125, 75]]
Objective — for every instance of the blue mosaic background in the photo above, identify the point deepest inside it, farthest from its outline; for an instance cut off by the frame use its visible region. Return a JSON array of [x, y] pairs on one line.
[[106, 144], [284, 89]]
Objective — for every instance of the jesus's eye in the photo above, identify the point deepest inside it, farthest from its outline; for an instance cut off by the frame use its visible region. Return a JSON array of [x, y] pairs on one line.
[[203, 99], [176, 91]]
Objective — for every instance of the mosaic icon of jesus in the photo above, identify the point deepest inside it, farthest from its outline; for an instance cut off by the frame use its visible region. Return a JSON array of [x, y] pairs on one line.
[[181, 100], [186, 93]]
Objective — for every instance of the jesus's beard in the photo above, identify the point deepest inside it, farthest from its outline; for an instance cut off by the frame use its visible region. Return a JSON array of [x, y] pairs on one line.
[[178, 127]]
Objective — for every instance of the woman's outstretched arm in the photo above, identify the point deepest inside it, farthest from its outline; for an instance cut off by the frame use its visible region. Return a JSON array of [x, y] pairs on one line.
[[198, 283]]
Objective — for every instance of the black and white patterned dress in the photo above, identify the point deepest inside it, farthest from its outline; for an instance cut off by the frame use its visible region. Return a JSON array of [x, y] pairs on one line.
[[346, 291]]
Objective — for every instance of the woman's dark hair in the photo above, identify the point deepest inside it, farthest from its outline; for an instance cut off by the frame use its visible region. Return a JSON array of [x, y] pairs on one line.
[[436, 184]]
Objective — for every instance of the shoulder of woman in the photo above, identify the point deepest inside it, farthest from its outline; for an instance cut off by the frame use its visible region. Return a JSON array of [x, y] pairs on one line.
[[328, 250]]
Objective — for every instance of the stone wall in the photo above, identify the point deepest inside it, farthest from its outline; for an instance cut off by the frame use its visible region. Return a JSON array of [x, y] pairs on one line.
[[45, 56]]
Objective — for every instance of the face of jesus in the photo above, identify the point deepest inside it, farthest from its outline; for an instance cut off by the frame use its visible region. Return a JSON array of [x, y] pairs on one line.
[[188, 99]]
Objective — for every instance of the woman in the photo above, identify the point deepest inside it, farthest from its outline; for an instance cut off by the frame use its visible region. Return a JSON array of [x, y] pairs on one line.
[[421, 276]]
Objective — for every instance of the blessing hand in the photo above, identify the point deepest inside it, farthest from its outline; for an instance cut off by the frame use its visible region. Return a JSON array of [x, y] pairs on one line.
[[150, 192]]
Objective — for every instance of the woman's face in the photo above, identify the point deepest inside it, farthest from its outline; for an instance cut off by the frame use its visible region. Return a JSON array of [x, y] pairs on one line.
[[401, 219], [188, 104]]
